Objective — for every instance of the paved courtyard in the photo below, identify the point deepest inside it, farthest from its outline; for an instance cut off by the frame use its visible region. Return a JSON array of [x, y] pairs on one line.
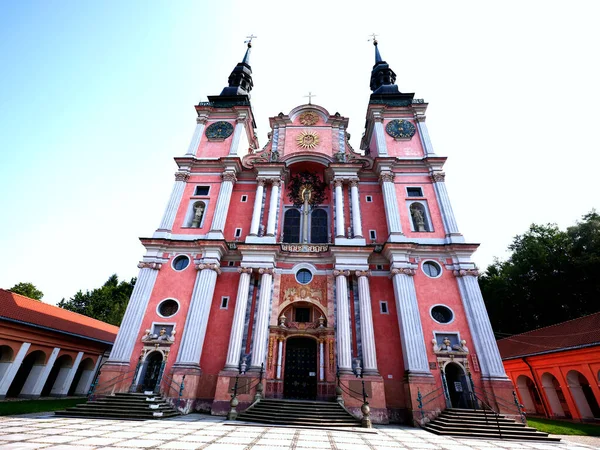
[[197, 431]]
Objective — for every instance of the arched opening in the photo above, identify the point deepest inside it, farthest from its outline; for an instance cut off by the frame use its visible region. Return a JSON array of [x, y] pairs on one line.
[[300, 376], [529, 395], [419, 217], [6, 358], [291, 226], [458, 386], [55, 383], [583, 395], [150, 371], [197, 214], [80, 380], [26, 373], [555, 396]]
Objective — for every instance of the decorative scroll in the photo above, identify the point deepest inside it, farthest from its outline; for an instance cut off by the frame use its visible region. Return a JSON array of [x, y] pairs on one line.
[[264, 270], [149, 265], [182, 176], [438, 176], [302, 293], [229, 176], [404, 271], [305, 248], [337, 273], [214, 267], [245, 270], [466, 273], [386, 177], [363, 273]]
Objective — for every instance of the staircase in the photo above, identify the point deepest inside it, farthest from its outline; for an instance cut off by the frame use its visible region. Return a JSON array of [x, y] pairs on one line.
[[472, 423], [299, 412], [130, 406]]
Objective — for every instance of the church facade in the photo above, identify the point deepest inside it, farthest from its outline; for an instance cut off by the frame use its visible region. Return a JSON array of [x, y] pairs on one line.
[[309, 264]]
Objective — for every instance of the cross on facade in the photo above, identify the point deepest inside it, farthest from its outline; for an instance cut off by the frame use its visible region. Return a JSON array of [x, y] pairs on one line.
[[310, 96]]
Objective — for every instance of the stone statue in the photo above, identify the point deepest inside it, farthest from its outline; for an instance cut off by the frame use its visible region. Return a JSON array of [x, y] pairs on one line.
[[436, 347], [198, 213], [446, 345], [462, 347], [418, 219], [147, 336], [282, 320]]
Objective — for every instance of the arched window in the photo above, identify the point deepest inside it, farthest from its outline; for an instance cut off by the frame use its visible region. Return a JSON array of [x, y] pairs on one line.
[[291, 226], [318, 227], [198, 214], [418, 216]]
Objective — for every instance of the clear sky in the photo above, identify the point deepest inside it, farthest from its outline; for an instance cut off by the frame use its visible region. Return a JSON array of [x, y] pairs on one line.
[[96, 98]]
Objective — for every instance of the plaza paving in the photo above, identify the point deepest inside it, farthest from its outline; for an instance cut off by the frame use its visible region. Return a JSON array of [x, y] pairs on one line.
[[197, 431]]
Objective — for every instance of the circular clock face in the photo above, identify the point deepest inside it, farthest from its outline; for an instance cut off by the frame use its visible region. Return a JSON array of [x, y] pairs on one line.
[[219, 130], [402, 129]]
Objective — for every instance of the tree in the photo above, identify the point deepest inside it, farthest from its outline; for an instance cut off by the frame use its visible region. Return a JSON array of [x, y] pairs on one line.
[[28, 290], [550, 277], [107, 303]]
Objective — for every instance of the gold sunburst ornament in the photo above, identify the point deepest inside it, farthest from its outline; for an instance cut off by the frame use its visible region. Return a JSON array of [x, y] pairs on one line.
[[308, 139]]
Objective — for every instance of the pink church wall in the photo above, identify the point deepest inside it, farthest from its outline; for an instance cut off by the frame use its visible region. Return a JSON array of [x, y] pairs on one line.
[[373, 213], [240, 213], [214, 149], [404, 148], [214, 181], [432, 205], [292, 133]]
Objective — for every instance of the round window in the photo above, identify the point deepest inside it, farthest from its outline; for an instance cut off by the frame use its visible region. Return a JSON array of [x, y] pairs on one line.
[[442, 314], [168, 308], [432, 269], [304, 276], [181, 262]]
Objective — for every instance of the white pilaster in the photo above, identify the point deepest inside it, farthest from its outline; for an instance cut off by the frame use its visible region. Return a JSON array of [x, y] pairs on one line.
[[41, 380], [273, 204], [261, 328], [450, 225], [356, 220], [339, 209], [367, 333], [390, 201], [195, 142], [239, 315], [11, 372], [321, 360], [237, 134], [136, 309], [409, 320], [479, 325], [166, 224], [343, 336], [424, 133], [192, 341], [380, 137], [279, 357], [62, 390], [222, 208], [260, 185]]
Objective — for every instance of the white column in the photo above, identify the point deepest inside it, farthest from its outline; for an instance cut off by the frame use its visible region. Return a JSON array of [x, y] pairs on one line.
[[136, 309], [339, 209], [195, 142], [218, 223], [380, 137], [41, 380], [273, 204], [424, 133], [261, 327], [479, 324], [260, 185], [237, 134], [356, 220], [11, 372], [444, 201], [367, 334], [390, 201], [62, 390], [279, 357], [321, 360], [192, 341], [239, 315], [409, 320], [343, 336], [166, 224]]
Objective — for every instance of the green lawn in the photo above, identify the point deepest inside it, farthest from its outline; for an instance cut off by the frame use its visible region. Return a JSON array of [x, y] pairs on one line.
[[564, 427], [8, 408]]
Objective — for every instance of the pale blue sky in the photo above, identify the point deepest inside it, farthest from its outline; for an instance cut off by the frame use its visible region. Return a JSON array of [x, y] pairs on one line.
[[96, 98]]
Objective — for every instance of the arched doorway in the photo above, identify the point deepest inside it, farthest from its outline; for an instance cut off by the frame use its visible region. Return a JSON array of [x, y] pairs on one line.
[[458, 385], [555, 396], [36, 358], [300, 376], [55, 382], [78, 385], [583, 395], [6, 357], [529, 395], [150, 371]]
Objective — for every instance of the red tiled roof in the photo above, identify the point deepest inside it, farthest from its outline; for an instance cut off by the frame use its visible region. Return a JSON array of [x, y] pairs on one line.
[[18, 307], [581, 332]]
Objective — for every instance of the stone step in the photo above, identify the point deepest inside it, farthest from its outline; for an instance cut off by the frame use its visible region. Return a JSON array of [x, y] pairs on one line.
[[467, 433], [508, 429]]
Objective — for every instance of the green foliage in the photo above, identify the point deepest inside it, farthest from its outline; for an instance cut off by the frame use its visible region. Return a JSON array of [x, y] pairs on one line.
[[34, 406], [28, 290], [107, 303], [564, 427], [550, 277], [306, 182]]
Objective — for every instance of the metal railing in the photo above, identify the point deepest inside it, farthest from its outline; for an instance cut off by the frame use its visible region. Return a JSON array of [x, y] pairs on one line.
[[424, 400], [234, 393], [475, 401], [106, 387], [514, 407], [168, 383]]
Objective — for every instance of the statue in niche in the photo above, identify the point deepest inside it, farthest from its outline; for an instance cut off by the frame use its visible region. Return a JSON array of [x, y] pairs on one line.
[[446, 345], [198, 214], [418, 218]]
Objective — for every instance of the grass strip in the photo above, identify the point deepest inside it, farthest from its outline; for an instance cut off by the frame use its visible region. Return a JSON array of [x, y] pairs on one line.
[[564, 427], [8, 408]]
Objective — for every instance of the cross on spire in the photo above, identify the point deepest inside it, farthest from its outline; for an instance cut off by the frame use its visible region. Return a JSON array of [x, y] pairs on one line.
[[373, 37], [310, 96], [249, 39]]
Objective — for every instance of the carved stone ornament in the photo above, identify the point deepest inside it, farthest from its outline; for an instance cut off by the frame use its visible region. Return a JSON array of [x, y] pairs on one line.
[[276, 182], [229, 176], [304, 248], [404, 271], [308, 118], [386, 177], [159, 339], [149, 265], [363, 273], [447, 347], [245, 270], [438, 176], [308, 140], [261, 181], [182, 176], [264, 270], [337, 273], [353, 182], [466, 273], [338, 182], [214, 267], [400, 129], [219, 131]]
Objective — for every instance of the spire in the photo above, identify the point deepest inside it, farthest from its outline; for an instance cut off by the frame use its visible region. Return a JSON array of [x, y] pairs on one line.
[[377, 55], [383, 81], [240, 80]]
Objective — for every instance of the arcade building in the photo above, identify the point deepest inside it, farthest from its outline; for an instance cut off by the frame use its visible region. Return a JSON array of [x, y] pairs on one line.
[[306, 261]]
